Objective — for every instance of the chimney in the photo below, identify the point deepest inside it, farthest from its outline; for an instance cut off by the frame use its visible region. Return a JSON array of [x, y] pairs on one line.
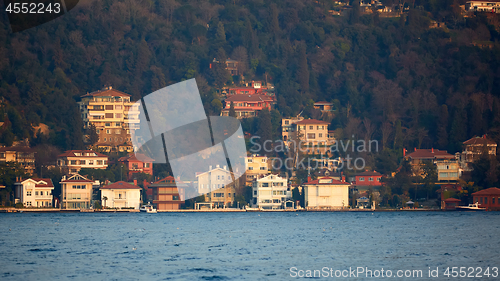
[[135, 181], [432, 150], [225, 167], [414, 149], [308, 178], [210, 167]]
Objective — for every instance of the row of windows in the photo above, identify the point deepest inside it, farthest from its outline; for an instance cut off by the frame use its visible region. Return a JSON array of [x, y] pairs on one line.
[[109, 131], [263, 160], [79, 187], [369, 179], [90, 162], [29, 193], [261, 168], [268, 184], [313, 136], [214, 186], [116, 139], [485, 200], [312, 127]]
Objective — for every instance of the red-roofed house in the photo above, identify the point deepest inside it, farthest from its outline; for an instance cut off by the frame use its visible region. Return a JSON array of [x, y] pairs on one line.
[[121, 195], [448, 168], [76, 192], [137, 163], [247, 105], [74, 160], [34, 192], [450, 204], [367, 179], [326, 193], [488, 198]]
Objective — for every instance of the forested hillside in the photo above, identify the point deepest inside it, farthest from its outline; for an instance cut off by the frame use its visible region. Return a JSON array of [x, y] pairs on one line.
[[392, 79]]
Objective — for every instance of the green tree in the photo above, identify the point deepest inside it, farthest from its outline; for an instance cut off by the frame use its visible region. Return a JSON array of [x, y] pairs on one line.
[[93, 136], [232, 112], [264, 130]]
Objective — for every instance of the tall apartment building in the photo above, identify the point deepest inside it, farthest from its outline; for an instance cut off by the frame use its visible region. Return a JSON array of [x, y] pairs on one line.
[[270, 192], [112, 113], [256, 166]]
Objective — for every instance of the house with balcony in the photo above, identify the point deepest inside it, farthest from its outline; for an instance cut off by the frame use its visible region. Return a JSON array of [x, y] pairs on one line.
[[326, 193], [23, 155], [34, 192], [311, 134], [324, 106], [72, 161], [256, 166], [287, 128], [137, 163], [76, 192], [112, 113], [474, 148], [247, 105], [121, 195], [217, 185], [271, 192], [447, 165], [167, 194], [483, 6]]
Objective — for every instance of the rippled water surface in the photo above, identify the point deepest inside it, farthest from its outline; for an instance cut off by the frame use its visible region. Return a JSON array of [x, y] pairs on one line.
[[240, 246]]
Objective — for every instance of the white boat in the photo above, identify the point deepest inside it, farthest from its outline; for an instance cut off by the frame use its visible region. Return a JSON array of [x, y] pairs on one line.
[[148, 209], [471, 207]]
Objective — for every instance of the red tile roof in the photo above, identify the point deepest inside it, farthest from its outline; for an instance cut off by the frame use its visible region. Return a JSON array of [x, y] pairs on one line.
[[311, 121], [121, 185], [136, 157], [333, 182], [38, 182], [451, 200], [70, 179], [71, 153], [322, 102], [248, 98], [106, 93], [369, 173], [479, 140], [488, 191], [429, 154]]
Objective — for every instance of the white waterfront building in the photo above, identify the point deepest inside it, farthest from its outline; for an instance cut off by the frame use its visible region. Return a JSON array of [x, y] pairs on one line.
[[270, 192], [34, 192]]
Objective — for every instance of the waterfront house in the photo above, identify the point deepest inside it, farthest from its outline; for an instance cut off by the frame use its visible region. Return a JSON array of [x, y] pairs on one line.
[[137, 163], [367, 179], [447, 165], [72, 161], [34, 192], [121, 195], [167, 194], [23, 155], [270, 192], [450, 204], [76, 192], [217, 185], [326, 193], [474, 148], [488, 198]]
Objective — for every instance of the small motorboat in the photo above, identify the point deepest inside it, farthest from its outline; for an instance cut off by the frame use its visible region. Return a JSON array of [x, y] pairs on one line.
[[148, 209], [471, 207]]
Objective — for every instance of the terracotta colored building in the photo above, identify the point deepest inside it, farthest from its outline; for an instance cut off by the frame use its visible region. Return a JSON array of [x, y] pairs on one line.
[[166, 194], [366, 179], [139, 163], [247, 105], [488, 198], [450, 204]]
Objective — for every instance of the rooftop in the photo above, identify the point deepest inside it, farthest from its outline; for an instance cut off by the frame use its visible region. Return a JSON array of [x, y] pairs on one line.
[[120, 185], [429, 154], [107, 92], [326, 181], [17, 149], [248, 98], [136, 157], [74, 153], [488, 191], [479, 140], [311, 121]]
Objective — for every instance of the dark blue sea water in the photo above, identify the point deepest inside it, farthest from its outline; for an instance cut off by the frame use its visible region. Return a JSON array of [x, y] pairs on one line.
[[243, 246]]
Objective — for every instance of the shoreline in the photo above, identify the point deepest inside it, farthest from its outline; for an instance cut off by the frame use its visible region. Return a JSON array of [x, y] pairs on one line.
[[53, 210]]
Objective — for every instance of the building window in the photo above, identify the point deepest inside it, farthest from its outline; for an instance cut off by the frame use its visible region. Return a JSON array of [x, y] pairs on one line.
[[485, 200], [262, 168], [28, 193], [82, 162], [249, 160], [311, 136], [36, 193], [107, 124], [99, 162], [218, 177], [73, 162], [91, 162], [105, 139], [108, 132], [378, 179], [98, 131], [119, 107], [118, 115], [146, 165], [287, 122], [370, 179], [320, 135], [361, 179], [311, 127], [28, 204], [492, 200], [250, 168], [480, 200]]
